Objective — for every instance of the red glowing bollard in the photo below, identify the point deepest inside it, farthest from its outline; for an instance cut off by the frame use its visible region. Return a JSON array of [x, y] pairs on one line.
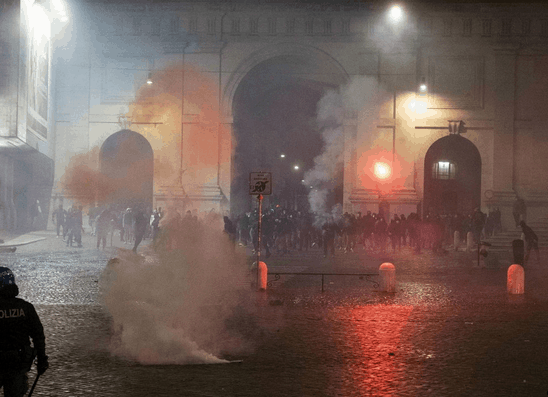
[[263, 276], [516, 280], [387, 273]]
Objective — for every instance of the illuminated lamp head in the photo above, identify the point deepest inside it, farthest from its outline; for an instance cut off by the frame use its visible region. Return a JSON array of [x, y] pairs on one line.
[[395, 14], [381, 170]]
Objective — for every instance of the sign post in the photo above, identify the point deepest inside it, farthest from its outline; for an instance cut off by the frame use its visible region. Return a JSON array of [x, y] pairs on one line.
[[260, 183]]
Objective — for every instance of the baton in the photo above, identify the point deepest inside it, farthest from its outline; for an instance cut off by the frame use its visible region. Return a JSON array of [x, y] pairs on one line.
[[34, 384]]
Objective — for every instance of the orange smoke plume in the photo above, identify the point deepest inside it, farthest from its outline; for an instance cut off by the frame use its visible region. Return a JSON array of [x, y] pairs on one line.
[[186, 133]]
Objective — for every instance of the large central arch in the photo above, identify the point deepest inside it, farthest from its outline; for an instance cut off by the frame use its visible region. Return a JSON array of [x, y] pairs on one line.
[[273, 98]]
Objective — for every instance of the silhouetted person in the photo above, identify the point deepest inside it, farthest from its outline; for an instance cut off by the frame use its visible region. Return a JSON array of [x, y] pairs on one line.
[[478, 222], [36, 214], [531, 242], [141, 221], [519, 210], [78, 225], [155, 224], [70, 225], [230, 230], [19, 323], [59, 217], [329, 231], [103, 225]]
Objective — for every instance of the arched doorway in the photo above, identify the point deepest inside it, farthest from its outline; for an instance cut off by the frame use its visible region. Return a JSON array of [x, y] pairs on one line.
[[127, 162], [275, 107], [452, 176]]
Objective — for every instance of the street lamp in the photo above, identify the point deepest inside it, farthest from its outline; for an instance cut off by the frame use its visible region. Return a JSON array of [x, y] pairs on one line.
[[395, 14]]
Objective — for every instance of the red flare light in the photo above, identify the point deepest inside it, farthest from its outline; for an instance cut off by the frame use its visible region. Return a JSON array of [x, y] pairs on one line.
[[382, 170]]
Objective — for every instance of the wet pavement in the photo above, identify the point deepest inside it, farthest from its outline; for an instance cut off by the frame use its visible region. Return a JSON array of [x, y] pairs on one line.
[[451, 329]]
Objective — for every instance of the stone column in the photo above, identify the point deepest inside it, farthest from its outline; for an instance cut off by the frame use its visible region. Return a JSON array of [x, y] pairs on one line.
[[225, 162], [6, 193], [349, 156], [504, 96]]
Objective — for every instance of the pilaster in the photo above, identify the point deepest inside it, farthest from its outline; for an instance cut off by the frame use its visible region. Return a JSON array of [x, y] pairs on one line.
[[504, 95]]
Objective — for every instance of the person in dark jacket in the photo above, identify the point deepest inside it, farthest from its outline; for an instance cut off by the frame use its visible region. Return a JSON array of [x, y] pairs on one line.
[[103, 225], [329, 232], [59, 216], [141, 222], [531, 242], [230, 230], [19, 323]]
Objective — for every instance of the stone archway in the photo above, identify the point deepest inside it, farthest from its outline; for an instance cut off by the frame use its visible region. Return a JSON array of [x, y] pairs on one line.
[[452, 176], [273, 106], [127, 161]]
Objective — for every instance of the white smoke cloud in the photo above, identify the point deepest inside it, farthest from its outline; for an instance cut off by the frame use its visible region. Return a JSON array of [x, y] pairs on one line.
[[173, 309], [359, 98]]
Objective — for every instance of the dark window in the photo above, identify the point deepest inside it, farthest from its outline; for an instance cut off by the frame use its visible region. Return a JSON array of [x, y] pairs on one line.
[[290, 26], [211, 26], [236, 26], [526, 27], [426, 26], [346, 26], [447, 24], [544, 27], [506, 28], [327, 26], [309, 26], [272, 26], [254, 26], [467, 27], [174, 25], [486, 27]]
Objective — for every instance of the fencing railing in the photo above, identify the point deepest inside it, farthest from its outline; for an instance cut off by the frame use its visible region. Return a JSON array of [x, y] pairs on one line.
[[362, 276]]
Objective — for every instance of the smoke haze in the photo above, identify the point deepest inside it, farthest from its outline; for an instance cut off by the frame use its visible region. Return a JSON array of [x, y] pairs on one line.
[[358, 99], [173, 309]]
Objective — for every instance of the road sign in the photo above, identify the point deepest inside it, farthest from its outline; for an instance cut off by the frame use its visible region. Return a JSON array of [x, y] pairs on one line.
[[260, 183]]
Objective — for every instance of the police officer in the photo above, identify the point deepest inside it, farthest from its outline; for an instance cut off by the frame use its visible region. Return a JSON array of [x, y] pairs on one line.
[[18, 322]]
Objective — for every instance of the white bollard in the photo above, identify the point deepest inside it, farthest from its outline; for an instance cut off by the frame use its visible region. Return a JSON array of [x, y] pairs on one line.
[[516, 280], [387, 273], [456, 240], [263, 276], [469, 241]]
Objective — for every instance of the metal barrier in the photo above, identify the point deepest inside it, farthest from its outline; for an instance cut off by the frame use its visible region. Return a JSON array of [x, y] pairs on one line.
[[367, 276]]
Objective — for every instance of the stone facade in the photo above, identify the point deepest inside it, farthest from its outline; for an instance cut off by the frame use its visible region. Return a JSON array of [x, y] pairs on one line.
[[483, 65]]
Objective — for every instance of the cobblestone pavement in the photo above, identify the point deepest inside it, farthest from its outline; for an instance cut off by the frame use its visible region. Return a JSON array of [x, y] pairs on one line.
[[449, 330]]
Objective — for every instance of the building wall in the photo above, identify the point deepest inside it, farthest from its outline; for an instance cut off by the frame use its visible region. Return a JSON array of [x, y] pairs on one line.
[[26, 138], [483, 65]]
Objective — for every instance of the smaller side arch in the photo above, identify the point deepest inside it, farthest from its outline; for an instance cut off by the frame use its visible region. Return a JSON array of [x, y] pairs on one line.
[[452, 176], [126, 161]]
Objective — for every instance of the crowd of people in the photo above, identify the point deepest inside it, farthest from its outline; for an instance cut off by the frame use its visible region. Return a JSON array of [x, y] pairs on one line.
[[284, 230], [132, 224]]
